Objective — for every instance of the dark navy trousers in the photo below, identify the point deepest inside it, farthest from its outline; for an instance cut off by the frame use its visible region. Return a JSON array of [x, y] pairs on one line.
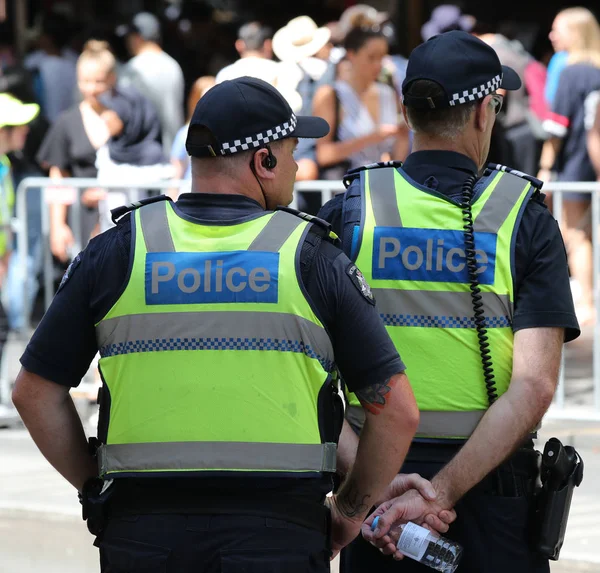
[[211, 544]]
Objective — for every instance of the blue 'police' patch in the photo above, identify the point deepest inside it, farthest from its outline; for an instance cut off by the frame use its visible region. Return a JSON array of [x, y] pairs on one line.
[[69, 272], [200, 278], [431, 255]]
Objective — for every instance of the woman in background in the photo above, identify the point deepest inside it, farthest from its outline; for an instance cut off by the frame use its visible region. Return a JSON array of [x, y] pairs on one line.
[[69, 148], [362, 112], [565, 153]]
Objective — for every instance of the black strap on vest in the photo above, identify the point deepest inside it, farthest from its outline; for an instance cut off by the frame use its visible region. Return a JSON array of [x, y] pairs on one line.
[[118, 212]]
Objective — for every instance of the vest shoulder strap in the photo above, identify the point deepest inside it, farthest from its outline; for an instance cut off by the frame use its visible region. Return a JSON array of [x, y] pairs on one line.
[[319, 226], [535, 182], [355, 173], [504, 197], [117, 213]]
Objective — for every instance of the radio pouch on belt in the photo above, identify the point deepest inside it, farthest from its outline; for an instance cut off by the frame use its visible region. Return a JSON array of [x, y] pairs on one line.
[[562, 472]]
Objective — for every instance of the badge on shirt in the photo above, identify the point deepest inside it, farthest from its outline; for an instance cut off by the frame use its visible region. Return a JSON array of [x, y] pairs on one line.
[[69, 272], [359, 281]]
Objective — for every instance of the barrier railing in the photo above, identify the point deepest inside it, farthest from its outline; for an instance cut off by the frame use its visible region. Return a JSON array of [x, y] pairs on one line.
[[47, 186], [559, 190], [327, 190]]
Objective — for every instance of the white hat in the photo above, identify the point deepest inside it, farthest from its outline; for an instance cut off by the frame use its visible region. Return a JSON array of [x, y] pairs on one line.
[[299, 39]]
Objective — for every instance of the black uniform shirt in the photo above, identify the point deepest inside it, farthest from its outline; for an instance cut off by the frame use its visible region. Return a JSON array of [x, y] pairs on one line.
[[541, 282], [64, 344]]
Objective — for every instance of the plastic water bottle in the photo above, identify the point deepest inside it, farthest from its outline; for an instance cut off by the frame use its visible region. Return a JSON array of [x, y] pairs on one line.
[[423, 546]]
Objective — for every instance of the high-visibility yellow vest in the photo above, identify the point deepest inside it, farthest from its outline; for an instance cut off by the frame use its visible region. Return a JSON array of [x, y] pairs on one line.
[[7, 202], [213, 357], [412, 253]]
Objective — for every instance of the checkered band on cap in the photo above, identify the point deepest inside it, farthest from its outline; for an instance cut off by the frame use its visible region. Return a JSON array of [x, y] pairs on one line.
[[260, 139], [477, 92]]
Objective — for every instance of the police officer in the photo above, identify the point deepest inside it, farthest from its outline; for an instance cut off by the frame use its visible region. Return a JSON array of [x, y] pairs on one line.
[[470, 278], [220, 323]]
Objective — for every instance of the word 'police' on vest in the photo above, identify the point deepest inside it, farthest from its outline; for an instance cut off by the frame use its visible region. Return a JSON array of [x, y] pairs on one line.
[[431, 255], [197, 278]]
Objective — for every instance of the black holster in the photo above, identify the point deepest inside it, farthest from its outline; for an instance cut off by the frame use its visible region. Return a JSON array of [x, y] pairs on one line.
[[561, 473], [94, 498]]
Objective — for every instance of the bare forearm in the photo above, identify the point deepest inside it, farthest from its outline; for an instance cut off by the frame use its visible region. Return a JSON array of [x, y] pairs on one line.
[[391, 422], [346, 451], [502, 430], [332, 152], [55, 427], [536, 363], [593, 143], [58, 215], [550, 150]]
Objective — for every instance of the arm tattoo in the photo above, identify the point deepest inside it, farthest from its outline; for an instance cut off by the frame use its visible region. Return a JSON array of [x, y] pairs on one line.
[[372, 397], [350, 502]]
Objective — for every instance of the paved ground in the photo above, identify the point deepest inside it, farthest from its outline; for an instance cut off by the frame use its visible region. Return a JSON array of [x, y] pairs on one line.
[[40, 527]]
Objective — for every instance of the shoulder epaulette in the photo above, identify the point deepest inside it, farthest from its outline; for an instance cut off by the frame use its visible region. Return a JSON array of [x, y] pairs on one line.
[[117, 213], [318, 223], [537, 183], [352, 174]]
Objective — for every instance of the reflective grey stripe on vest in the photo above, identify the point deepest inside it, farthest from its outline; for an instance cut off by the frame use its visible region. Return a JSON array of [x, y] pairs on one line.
[[500, 203], [449, 424], [276, 232], [383, 197], [155, 228], [206, 456], [453, 424], [440, 309], [233, 330]]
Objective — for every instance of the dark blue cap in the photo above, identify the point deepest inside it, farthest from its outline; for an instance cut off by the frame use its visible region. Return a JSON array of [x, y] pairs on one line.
[[466, 69], [247, 113]]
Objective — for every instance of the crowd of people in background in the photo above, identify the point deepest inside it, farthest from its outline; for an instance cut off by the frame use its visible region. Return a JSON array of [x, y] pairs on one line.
[[123, 117]]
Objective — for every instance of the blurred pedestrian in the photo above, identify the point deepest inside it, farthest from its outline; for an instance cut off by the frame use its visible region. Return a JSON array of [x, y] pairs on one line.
[[562, 37], [445, 18], [54, 63], [362, 112], [155, 74], [566, 153], [522, 127], [69, 148], [14, 119], [179, 155], [17, 82], [254, 45], [304, 51], [133, 154]]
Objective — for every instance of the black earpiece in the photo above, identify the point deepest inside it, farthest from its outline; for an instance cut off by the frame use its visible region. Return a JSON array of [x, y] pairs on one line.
[[270, 161]]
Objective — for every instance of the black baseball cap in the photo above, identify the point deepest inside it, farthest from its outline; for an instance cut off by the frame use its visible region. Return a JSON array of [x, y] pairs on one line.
[[466, 69], [247, 113]]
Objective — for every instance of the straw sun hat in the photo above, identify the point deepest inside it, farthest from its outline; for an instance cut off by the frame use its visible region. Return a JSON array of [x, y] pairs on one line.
[[299, 39]]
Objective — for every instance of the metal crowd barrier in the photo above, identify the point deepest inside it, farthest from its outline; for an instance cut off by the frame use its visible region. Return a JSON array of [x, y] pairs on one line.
[[327, 190]]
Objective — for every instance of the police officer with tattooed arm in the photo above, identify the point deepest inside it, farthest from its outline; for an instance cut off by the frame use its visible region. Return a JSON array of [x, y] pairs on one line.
[[469, 273], [221, 322]]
